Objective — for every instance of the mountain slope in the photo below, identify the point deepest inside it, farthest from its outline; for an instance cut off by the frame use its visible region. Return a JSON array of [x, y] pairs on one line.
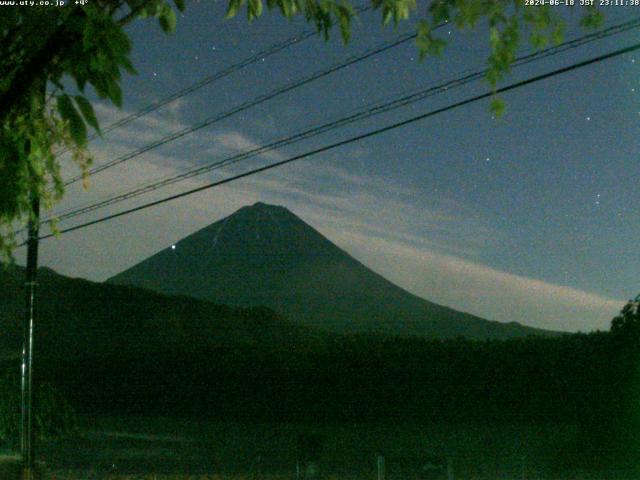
[[265, 255], [120, 349], [79, 318]]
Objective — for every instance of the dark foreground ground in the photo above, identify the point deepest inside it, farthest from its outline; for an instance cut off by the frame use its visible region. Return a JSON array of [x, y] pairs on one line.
[[133, 448]]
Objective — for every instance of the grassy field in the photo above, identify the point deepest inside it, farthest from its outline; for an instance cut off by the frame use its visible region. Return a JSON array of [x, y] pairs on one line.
[[137, 448], [81, 476]]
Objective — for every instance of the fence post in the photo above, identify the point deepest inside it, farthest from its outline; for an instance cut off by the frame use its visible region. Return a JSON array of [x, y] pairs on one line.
[[381, 473], [449, 469]]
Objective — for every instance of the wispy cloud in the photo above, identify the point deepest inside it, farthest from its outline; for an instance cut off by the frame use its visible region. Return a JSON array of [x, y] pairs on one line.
[[234, 142], [481, 289], [428, 244]]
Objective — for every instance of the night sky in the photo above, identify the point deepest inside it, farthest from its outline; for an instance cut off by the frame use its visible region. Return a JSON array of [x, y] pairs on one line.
[[529, 218]]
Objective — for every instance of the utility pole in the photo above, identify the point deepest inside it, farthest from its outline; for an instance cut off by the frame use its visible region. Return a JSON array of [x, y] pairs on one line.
[[27, 433], [381, 468]]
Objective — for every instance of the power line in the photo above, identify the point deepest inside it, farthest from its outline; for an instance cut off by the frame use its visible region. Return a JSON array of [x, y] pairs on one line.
[[247, 105], [209, 79], [258, 100], [359, 115], [242, 107], [321, 129], [356, 138], [152, 107]]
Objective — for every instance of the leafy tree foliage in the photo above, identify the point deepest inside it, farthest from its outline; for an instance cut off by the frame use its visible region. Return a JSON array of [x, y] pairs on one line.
[[42, 46], [54, 417], [627, 324], [85, 43]]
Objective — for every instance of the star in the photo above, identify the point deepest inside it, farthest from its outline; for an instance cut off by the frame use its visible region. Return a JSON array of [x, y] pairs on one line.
[[173, 247], [487, 159], [155, 74], [588, 118]]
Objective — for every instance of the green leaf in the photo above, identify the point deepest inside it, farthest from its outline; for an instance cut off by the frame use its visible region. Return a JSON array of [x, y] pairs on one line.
[[387, 15], [179, 5], [538, 41], [437, 46], [494, 37], [286, 8], [232, 9], [557, 36], [403, 10], [593, 19], [254, 9], [77, 128], [128, 66], [115, 93], [119, 43], [88, 35], [167, 19], [153, 8], [87, 112], [344, 19], [439, 11], [497, 107]]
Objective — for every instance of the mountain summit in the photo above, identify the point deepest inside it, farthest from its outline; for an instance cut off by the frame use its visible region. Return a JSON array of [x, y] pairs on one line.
[[265, 255]]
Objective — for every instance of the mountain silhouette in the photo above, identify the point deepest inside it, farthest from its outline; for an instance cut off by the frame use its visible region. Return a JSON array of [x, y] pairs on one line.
[[266, 255], [80, 318]]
